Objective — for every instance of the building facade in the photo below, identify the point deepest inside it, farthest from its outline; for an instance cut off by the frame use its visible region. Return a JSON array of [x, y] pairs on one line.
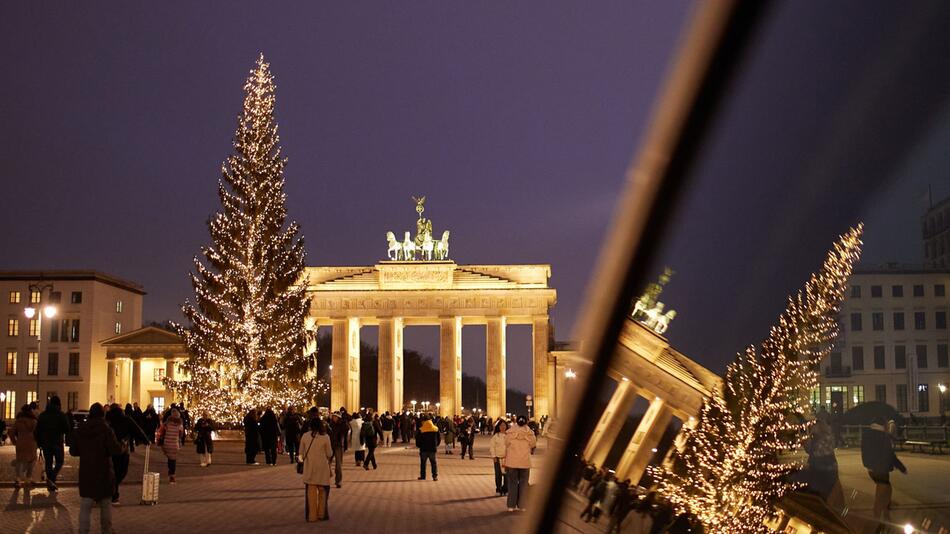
[[59, 352], [893, 344], [935, 227]]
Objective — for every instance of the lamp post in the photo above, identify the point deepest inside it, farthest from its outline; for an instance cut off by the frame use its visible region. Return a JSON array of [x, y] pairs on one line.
[[413, 403], [943, 391], [39, 311]]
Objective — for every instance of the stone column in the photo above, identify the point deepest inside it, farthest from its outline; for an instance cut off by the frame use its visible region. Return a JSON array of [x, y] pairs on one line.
[[110, 381], [345, 379], [610, 423], [495, 367], [170, 374], [552, 383], [125, 382], [640, 449], [539, 349], [450, 365], [136, 380], [390, 365]]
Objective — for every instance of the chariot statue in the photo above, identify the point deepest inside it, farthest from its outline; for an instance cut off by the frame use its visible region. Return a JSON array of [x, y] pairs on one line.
[[648, 310], [423, 247]]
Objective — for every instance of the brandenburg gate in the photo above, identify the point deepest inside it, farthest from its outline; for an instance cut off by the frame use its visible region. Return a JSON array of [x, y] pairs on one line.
[[419, 285]]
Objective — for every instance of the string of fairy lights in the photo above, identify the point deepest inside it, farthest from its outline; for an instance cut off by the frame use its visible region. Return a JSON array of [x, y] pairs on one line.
[[736, 462], [246, 334]]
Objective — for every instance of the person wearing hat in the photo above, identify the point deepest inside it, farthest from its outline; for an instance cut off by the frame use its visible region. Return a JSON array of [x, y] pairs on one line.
[[427, 440], [95, 444]]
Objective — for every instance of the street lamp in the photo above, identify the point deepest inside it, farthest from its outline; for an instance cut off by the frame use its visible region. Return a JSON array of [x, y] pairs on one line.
[[570, 374], [438, 407], [413, 403], [943, 401], [30, 311]]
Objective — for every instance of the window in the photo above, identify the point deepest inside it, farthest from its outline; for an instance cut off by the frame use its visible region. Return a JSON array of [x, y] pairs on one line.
[[34, 327], [879, 357], [11, 362], [918, 290], [30, 397], [857, 358], [52, 364], [64, 331], [55, 297], [875, 292], [940, 290], [118, 306], [14, 297], [9, 412], [74, 330], [857, 395], [72, 400], [877, 321], [13, 327], [159, 404], [35, 297], [940, 320], [920, 321], [898, 320], [923, 398], [880, 392], [76, 297], [855, 292], [901, 397], [33, 363], [73, 364], [897, 291], [158, 374], [900, 357], [855, 322], [54, 331], [942, 359], [921, 356]]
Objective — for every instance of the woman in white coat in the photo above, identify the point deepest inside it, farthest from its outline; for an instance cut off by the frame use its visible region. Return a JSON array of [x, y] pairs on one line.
[[316, 453], [497, 451], [356, 445]]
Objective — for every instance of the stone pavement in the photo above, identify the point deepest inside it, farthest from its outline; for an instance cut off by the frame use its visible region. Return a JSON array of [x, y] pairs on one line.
[[241, 498]]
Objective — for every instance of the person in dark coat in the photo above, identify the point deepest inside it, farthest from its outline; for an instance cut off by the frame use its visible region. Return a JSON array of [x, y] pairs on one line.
[[127, 433], [150, 422], [270, 431], [292, 430], [339, 434], [95, 444], [369, 439], [877, 455], [427, 440], [252, 437], [204, 440], [52, 429]]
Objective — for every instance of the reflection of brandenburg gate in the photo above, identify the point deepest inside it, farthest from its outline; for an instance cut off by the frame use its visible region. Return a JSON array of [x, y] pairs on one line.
[[397, 294]]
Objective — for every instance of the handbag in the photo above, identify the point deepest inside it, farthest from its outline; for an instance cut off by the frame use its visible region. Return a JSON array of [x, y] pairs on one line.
[[299, 462]]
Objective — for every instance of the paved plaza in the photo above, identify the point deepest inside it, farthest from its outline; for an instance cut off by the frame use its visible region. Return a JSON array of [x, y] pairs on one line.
[[230, 496]]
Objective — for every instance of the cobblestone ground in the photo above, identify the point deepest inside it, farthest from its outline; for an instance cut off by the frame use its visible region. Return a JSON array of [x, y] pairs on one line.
[[231, 497]]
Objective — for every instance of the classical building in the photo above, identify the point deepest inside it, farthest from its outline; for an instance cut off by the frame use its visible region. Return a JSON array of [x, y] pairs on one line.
[[394, 295], [935, 229], [137, 362], [893, 345], [57, 350]]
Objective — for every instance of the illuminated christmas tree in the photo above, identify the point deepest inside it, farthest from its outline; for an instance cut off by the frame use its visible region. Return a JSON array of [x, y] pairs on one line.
[[736, 461], [247, 338]]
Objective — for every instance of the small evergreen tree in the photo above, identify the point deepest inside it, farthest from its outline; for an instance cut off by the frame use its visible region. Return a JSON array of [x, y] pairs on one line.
[[246, 335], [735, 463]]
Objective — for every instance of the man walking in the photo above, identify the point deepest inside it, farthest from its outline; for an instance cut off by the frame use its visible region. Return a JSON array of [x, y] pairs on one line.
[[52, 428], [339, 429], [292, 427], [427, 439], [95, 444]]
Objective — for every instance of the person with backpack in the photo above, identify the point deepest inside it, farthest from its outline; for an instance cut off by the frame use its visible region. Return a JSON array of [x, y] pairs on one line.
[[127, 433], [52, 429], [368, 439]]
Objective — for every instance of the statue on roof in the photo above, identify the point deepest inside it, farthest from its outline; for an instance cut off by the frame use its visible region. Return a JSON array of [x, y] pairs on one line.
[[648, 310], [424, 246]]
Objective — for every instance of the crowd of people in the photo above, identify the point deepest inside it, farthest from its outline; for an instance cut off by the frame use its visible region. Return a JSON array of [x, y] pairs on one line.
[[317, 442]]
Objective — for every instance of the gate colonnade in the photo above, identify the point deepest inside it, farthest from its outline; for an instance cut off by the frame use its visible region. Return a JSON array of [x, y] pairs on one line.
[[394, 295]]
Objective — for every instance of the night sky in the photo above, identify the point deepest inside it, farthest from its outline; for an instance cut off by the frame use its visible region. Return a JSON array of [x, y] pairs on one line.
[[516, 120]]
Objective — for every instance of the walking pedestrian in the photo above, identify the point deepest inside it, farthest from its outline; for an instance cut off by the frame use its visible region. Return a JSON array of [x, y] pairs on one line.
[[467, 433], [368, 439], [497, 452], [204, 438], [270, 431], [95, 444], [52, 429], [126, 433], [150, 422], [450, 431], [252, 438], [427, 440], [316, 457], [356, 440], [169, 441], [339, 431], [877, 455], [292, 429], [23, 435], [520, 442]]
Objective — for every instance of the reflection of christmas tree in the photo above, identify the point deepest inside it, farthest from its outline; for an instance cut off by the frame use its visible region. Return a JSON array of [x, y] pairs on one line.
[[734, 464], [247, 339]]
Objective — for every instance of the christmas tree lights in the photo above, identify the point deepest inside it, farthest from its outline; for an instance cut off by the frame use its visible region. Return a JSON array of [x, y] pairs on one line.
[[247, 340], [735, 463]]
